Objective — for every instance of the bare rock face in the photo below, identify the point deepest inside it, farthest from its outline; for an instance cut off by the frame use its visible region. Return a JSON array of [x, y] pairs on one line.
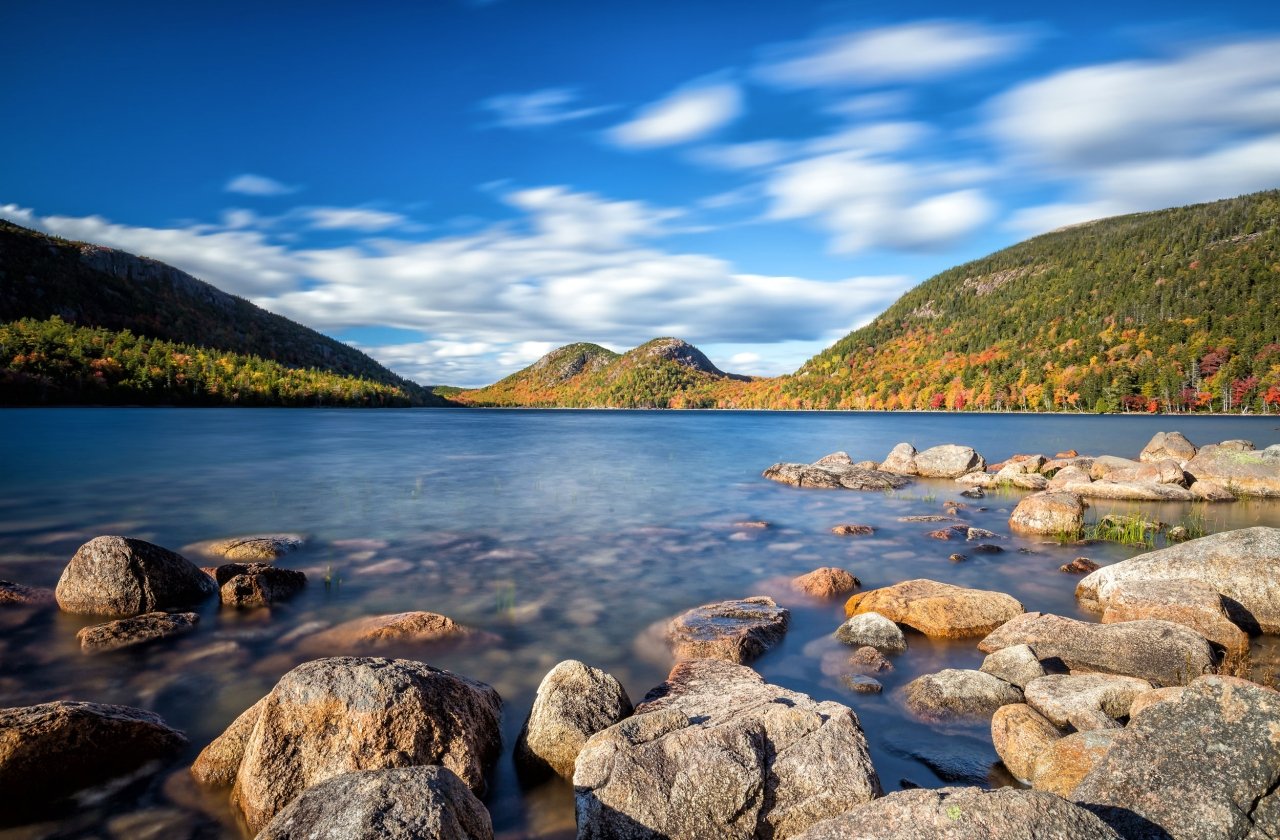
[[827, 582], [1065, 762], [1015, 665], [834, 477], [1208, 491], [1239, 471], [1193, 768], [379, 631], [1085, 701], [1067, 476], [937, 609], [901, 460], [406, 803], [1186, 601], [218, 763], [1243, 566], [1021, 735], [1141, 491], [735, 631], [333, 716], [1049, 512], [717, 752], [50, 751], [1104, 465], [1154, 696], [122, 576], [27, 596], [1157, 651], [257, 584], [574, 702], [964, 813], [870, 629], [1168, 445], [948, 461], [138, 630], [957, 693]]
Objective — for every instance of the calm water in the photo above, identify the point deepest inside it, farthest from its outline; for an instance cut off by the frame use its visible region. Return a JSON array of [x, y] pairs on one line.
[[565, 533]]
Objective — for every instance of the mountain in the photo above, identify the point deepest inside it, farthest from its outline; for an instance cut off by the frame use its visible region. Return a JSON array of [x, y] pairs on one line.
[[661, 373], [87, 286]]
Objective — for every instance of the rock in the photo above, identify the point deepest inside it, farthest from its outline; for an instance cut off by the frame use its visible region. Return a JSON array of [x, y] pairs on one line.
[[139, 629], [123, 576], [218, 763], [1157, 651], [986, 548], [953, 692], [1104, 465], [948, 461], [1052, 513], [1190, 768], [853, 530], [372, 632], [27, 596], [1167, 471], [1057, 464], [1208, 491], [1177, 534], [261, 547], [957, 558], [754, 524], [862, 684], [1021, 735], [574, 702], [834, 477], [867, 465], [827, 582], [1144, 491], [937, 609], [1030, 481], [927, 517], [868, 660], [871, 629], [1154, 696], [332, 716], [835, 459], [1068, 476], [717, 752], [1070, 453], [1185, 601], [1243, 473], [901, 460], [1065, 762], [1015, 665], [973, 493], [1079, 566], [1244, 566], [1018, 464], [964, 813], [1168, 445], [735, 631], [50, 751], [1085, 701], [976, 481], [1237, 445], [257, 584], [944, 533], [405, 803]]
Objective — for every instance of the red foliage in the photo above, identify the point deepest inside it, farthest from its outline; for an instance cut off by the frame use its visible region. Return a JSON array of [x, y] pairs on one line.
[[1213, 360], [937, 401]]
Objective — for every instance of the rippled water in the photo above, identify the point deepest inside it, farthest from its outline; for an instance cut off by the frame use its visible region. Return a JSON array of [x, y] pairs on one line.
[[565, 533]]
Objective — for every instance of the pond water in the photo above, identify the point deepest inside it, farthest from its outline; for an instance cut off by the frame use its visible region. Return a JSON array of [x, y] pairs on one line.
[[564, 533]]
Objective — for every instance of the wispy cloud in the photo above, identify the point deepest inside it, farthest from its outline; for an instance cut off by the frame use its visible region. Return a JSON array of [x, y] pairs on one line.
[[352, 218], [687, 114], [250, 184], [539, 108]]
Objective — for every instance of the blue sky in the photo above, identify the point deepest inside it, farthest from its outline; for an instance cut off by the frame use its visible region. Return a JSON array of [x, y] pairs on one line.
[[457, 187]]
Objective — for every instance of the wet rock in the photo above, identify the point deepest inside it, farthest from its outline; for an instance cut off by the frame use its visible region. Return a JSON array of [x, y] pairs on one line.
[[1079, 566], [868, 660], [1142, 491], [1177, 534], [1015, 665], [861, 684], [753, 524], [1052, 513], [372, 632], [973, 492], [218, 763], [27, 596], [405, 803], [827, 582], [257, 584], [928, 517], [1021, 735], [981, 534], [986, 548], [333, 716], [945, 533], [957, 693], [1191, 768], [123, 576], [834, 477], [1168, 445], [948, 461], [735, 631], [1185, 601], [1085, 701], [138, 630], [260, 547], [50, 751], [957, 558], [964, 813], [937, 609], [1068, 476], [1244, 566], [717, 752], [901, 460], [1066, 761], [1157, 651], [870, 629], [574, 702], [853, 530], [1243, 473], [1208, 491]]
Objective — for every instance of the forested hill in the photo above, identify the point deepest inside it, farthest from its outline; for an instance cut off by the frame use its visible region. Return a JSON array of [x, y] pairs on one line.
[[44, 277], [1166, 311]]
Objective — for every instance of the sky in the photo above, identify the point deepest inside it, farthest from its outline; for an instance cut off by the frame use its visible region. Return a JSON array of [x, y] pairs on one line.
[[457, 187]]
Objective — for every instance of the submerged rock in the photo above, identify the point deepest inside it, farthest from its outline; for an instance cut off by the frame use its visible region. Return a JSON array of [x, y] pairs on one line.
[[827, 582], [123, 576], [1079, 566], [261, 547], [140, 629], [834, 477], [868, 660], [853, 530], [948, 461], [735, 631], [27, 596], [870, 629], [957, 693], [257, 584], [937, 609], [574, 702], [375, 631], [1049, 512]]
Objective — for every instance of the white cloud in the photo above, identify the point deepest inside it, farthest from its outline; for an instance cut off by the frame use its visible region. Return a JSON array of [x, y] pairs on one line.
[[250, 184], [687, 114], [908, 52], [352, 218], [737, 156], [876, 104], [539, 108]]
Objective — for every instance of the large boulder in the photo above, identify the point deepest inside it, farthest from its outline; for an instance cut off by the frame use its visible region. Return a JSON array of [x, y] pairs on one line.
[[50, 751], [1066, 762], [717, 752], [871, 629], [964, 813], [834, 477], [1085, 701], [957, 693], [137, 630], [1157, 651], [1068, 476], [574, 702], [218, 763], [1168, 445], [1050, 512], [256, 584], [1243, 565], [1142, 491], [735, 631], [1187, 601], [405, 803], [1021, 735], [1242, 472], [332, 716], [901, 460], [1193, 768], [122, 576], [948, 461], [937, 609]]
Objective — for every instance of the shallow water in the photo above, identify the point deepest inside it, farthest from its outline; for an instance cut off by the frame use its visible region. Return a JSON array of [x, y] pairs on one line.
[[565, 533]]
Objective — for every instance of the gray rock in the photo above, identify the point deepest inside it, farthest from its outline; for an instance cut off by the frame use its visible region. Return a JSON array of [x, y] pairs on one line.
[[901, 460], [735, 631], [1148, 491], [1157, 651], [1029, 481], [1085, 701], [1067, 476], [871, 629], [1193, 768], [405, 803], [1015, 665], [862, 684], [716, 752], [1186, 601], [260, 547], [1049, 512], [27, 596], [123, 576], [964, 813], [948, 461], [1168, 445], [574, 702], [834, 477], [138, 630], [257, 584], [956, 693], [1240, 472], [1237, 445]]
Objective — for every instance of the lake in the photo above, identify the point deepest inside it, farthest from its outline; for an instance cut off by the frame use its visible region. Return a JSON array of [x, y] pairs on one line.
[[565, 533]]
